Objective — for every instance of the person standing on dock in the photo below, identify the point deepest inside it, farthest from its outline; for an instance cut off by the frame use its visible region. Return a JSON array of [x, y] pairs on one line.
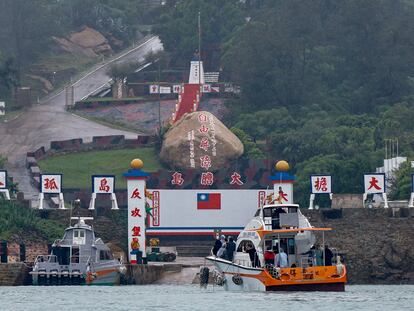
[[230, 249]]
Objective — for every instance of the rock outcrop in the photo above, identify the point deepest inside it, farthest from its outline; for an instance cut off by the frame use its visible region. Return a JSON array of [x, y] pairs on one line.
[[87, 42], [200, 141]]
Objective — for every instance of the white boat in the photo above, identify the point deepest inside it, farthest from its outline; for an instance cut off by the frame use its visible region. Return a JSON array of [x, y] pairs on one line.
[[78, 258], [280, 226]]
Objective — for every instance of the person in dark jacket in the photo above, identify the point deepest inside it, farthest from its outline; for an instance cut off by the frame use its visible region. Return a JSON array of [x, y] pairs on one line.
[[230, 249], [217, 245], [328, 256], [251, 250]]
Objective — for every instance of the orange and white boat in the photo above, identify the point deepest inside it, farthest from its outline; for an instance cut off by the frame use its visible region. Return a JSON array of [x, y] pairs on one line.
[[277, 227]]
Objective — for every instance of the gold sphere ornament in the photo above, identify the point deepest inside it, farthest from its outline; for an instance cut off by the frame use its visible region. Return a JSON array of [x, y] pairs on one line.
[[137, 164], [282, 166]]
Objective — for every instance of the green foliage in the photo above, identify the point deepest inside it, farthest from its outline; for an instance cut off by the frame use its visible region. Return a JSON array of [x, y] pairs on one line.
[[3, 161], [251, 149], [118, 71], [178, 29], [23, 224], [401, 185]]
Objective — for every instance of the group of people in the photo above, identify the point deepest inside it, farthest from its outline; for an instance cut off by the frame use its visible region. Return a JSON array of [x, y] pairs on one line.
[[276, 257], [224, 248], [317, 253]]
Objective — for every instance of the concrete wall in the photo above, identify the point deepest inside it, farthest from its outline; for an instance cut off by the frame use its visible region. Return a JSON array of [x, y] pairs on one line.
[[13, 274]]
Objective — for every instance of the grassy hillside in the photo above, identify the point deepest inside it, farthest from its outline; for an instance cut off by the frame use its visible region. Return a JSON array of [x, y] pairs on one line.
[[21, 224], [77, 168]]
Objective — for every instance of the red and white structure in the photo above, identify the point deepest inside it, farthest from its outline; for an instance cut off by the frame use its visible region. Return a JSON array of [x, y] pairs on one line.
[[103, 184], [375, 184], [3, 184], [136, 190], [320, 184], [51, 184]]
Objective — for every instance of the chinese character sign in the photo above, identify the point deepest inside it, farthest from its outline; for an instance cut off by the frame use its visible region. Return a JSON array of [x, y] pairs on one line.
[[283, 193], [374, 183], [51, 183], [136, 217], [3, 179], [321, 183], [103, 184]]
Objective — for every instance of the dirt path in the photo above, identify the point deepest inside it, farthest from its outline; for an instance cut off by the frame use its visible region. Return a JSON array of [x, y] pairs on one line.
[[49, 121]]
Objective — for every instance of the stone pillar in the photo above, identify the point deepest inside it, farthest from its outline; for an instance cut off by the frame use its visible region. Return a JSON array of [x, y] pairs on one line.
[[136, 185]]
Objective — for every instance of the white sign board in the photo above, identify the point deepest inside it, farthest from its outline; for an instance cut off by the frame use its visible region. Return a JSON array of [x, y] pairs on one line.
[[202, 211], [3, 179], [374, 183], [165, 90], [177, 88], [136, 218], [153, 89], [51, 183], [321, 183], [206, 88], [283, 193], [2, 108], [103, 184]]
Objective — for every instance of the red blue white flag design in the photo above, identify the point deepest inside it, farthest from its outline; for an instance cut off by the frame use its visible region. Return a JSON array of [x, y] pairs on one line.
[[208, 201]]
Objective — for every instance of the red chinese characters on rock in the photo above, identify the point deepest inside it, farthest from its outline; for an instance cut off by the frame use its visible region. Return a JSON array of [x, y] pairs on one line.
[[207, 179], [136, 231], [373, 183], [136, 212], [104, 185], [136, 194], [205, 162], [204, 144], [202, 118], [177, 179], [50, 184], [236, 179], [203, 129], [321, 184]]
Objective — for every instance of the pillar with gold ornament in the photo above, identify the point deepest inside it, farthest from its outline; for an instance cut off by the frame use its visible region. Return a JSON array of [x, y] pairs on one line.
[[136, 185], [282, 184]]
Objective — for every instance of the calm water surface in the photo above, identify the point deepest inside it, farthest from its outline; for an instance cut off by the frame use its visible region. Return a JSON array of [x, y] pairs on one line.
[[191, 297]]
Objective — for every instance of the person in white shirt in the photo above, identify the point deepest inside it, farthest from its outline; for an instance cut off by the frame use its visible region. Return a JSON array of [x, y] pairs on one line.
[[281, 259]]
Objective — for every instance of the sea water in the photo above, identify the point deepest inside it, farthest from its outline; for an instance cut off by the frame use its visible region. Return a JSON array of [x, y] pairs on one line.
[[192, 297]]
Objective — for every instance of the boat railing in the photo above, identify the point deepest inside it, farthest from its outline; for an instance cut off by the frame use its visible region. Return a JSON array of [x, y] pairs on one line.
[[80, 259], [46, 258]]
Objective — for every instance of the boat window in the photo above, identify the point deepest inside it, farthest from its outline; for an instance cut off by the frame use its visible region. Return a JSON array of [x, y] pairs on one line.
[[257, 212], [291, 246], [267, 212], [243, 244], [105, 255], [79, 236]]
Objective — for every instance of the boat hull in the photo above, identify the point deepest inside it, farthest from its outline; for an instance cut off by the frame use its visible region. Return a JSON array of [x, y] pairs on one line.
[[242, 278]]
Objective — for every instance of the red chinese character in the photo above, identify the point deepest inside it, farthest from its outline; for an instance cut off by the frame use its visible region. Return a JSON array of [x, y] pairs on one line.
[[104, 185], [282, 196], [136, 212], [374, 184], [204, 143], [321, 184], [202, 117], [136, 194], [203, 129], [205, 162], [50, 184], [207, 179], [177, 179], [136, 231], [235, 179]]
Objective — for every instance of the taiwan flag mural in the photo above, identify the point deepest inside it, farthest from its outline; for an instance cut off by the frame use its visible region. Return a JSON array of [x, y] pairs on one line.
[[208, 200]]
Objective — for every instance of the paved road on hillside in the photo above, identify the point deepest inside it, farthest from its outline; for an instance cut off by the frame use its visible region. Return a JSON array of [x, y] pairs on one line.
[[49, 121]]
